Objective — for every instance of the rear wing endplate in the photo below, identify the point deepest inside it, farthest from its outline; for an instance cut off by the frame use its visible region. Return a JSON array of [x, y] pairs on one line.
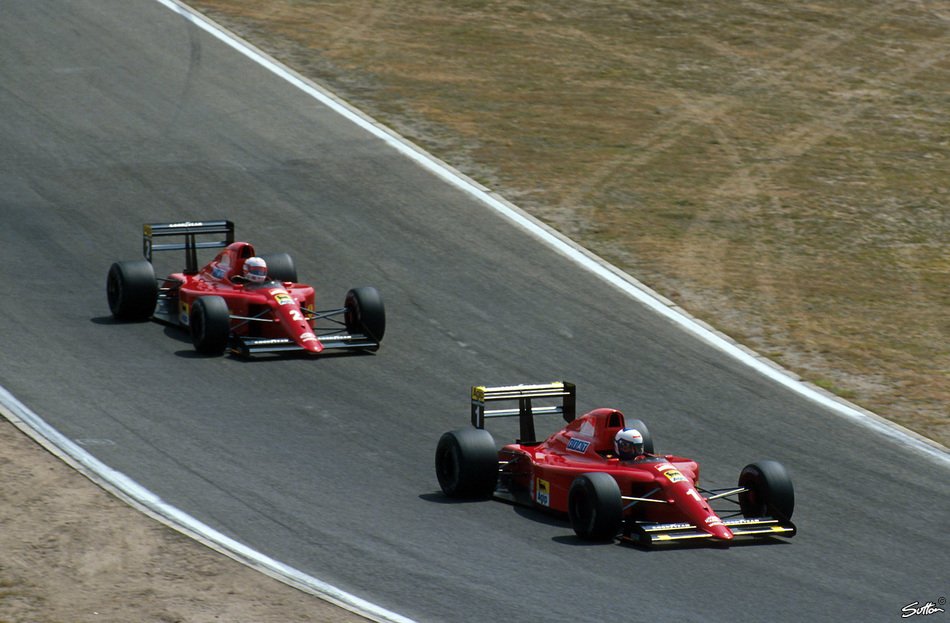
[[189, 230], [526, 410]]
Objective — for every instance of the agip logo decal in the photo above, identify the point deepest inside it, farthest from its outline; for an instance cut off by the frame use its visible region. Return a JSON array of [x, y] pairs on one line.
[[542, 492]]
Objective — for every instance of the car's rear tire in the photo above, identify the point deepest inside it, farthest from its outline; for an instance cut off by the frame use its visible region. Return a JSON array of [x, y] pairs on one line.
[[365, 312], [466, 463], [594, 506], [641, 427], [210, 324], [132, 290], [770, 491], [280, 267]]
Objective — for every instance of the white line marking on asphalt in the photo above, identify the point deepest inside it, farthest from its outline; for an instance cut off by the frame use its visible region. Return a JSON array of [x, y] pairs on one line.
[[148, 502], [564, 245], [141, 498]]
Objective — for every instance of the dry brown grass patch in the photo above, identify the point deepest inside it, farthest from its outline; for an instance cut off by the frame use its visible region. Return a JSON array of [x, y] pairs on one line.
[[779, 170]]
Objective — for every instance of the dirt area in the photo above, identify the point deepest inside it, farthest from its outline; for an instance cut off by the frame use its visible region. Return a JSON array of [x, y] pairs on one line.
[[778, 170], [73, 553]]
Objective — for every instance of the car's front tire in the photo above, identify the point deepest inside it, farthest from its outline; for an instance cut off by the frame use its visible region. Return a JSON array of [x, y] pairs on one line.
[[132, 290], [769, 491], [365, 312], [210, 323], [594, 506]]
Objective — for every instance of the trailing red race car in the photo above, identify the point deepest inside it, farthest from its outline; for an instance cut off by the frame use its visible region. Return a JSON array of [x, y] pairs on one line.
[[593, 471], [241, 301]]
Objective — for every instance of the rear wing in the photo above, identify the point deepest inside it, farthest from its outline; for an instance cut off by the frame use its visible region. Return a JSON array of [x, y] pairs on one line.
[[189, 230], [526, 410]]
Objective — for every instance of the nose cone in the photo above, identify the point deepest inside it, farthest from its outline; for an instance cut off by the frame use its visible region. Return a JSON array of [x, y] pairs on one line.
[[313, 347], [720, 532], [310, 343]]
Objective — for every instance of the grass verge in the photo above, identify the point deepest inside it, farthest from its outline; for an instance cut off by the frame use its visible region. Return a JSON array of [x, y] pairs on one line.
[[780, 171]]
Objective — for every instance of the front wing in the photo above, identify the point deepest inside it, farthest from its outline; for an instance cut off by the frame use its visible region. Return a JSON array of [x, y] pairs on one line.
[[649, 534], [246, 346]]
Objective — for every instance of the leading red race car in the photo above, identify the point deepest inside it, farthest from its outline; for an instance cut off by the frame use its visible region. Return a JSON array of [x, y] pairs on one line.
[[224, 310], [646, 499]]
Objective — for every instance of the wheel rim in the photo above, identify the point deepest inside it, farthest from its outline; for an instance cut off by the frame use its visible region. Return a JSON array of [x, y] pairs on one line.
[[448, 469], [198, 327], [352, 318], [582, 512], [113, 291], [751, 501]]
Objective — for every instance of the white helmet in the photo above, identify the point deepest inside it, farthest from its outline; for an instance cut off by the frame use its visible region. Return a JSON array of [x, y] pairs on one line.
[[628, 443], [255, 269]]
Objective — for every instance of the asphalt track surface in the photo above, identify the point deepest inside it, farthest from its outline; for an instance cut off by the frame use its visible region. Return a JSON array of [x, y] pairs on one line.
[[119, 113]]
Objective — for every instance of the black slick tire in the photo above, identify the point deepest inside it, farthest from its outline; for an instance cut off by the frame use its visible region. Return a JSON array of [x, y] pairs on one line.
[[132, 290], [770, 491], [466, 463], [365, 312], [594, 506], [280, 267], [210, 325]]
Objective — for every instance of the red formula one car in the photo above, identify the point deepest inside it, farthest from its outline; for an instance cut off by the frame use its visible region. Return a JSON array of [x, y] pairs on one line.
[[223, 309], [645, 500]]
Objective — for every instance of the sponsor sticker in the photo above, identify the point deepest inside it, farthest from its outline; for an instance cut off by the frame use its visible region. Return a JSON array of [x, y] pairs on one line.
[[184, 313], [578, 445], [283, 298], [674, 475], [739, 522], [543, 492], [671, 526]]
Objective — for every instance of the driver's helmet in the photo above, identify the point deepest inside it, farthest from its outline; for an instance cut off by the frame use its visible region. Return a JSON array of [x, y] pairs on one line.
[[255, 269], [628, 443]]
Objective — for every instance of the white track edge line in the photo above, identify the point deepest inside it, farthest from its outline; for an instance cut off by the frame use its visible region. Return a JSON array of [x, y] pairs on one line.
[[147, 502], [567, 247]]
